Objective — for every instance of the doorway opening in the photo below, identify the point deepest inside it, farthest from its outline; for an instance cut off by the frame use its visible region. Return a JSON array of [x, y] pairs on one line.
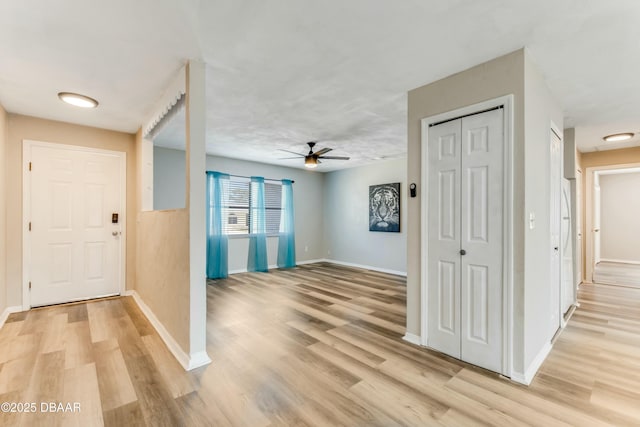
[[615, 256]]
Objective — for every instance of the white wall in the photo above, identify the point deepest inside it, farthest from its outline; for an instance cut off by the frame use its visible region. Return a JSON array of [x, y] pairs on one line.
[[307, 194], [540, 110], [346, 213], [620, 217]]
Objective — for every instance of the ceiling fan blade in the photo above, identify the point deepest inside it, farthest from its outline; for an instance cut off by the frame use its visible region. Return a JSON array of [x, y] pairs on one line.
[[334, 158], [322, 151], [288, 158], [293, 152]]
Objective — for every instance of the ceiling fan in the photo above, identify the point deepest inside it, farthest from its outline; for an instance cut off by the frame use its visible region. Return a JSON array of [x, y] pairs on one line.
[[311, 160]]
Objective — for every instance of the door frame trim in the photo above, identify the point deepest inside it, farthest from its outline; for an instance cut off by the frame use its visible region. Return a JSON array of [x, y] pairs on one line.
[[555, 130], [27, 144], [507, 102], [587, 214]]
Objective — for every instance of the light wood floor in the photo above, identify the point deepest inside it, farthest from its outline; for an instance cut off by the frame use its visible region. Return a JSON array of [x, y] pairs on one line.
[[317, 345], [617, 273]]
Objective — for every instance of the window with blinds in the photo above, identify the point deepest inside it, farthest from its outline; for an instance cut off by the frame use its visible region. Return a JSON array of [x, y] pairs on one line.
[[272, 206], [238, 212]]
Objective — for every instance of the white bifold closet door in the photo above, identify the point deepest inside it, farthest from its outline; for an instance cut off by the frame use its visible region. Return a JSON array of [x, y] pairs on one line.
[[465, 239]]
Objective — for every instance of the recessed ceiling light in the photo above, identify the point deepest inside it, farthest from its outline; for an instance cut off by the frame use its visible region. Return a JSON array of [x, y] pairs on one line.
[[78, 100], [618, 137]]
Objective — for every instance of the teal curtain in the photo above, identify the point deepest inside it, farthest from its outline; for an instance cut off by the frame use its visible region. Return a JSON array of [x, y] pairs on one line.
[[287, 236], [257, 227], [217, 240]]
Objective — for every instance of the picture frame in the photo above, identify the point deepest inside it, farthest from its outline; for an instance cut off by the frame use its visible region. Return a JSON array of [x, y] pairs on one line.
[[384, 207]]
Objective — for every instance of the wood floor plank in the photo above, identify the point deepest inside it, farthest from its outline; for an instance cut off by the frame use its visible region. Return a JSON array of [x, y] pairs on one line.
[[129, 415], [16, 374], [196, 412], [19, 346], [173, 374], [11, 329], [99, 322], [156, 403], [116, 388], [237, 404], [10, 418], [46, 385], [81, 389], [77, 344]]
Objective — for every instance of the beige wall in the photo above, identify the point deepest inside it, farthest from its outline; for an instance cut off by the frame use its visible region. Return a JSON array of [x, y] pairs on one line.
[[3, 209], [534, 109], [162, 279], [610, 157], [24, 127]]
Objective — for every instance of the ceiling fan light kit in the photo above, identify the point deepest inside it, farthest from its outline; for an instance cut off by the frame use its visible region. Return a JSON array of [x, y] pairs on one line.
[[311, 160]]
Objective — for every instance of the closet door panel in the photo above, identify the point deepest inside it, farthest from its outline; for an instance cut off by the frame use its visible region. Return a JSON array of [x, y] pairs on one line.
[[482, 239], [443, 219]]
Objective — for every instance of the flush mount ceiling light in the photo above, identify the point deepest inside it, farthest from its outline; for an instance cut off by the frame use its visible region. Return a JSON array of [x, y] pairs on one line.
[[616, 137], [77, 100]]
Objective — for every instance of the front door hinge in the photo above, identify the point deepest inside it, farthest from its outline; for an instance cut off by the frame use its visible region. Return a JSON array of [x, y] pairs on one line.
[[29, 165], [29, 285], [29, 225]]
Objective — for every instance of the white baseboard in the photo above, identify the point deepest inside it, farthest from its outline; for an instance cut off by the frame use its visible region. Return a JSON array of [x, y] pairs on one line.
[[188, 362], [7, 311], [620, 261], [532, 370], [244, 270], [311, 261], [367, 267], [198, 359], [412, 338]]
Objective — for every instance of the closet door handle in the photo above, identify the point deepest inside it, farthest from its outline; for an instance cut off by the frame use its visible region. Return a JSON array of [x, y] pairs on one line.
[[463, 252]]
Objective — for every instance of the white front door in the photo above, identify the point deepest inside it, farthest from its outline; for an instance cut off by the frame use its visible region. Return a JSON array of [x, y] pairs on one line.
[[76, 244], [465, 247], [555, 176]]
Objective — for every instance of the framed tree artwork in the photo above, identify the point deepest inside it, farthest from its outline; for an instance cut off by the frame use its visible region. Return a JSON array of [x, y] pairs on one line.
[[384, 207]]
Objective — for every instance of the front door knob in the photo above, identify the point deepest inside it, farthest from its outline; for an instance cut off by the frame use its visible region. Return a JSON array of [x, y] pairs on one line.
[[463, 252]]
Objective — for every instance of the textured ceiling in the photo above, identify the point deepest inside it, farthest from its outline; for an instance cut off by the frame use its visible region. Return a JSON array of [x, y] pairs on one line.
[[284, 72]]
